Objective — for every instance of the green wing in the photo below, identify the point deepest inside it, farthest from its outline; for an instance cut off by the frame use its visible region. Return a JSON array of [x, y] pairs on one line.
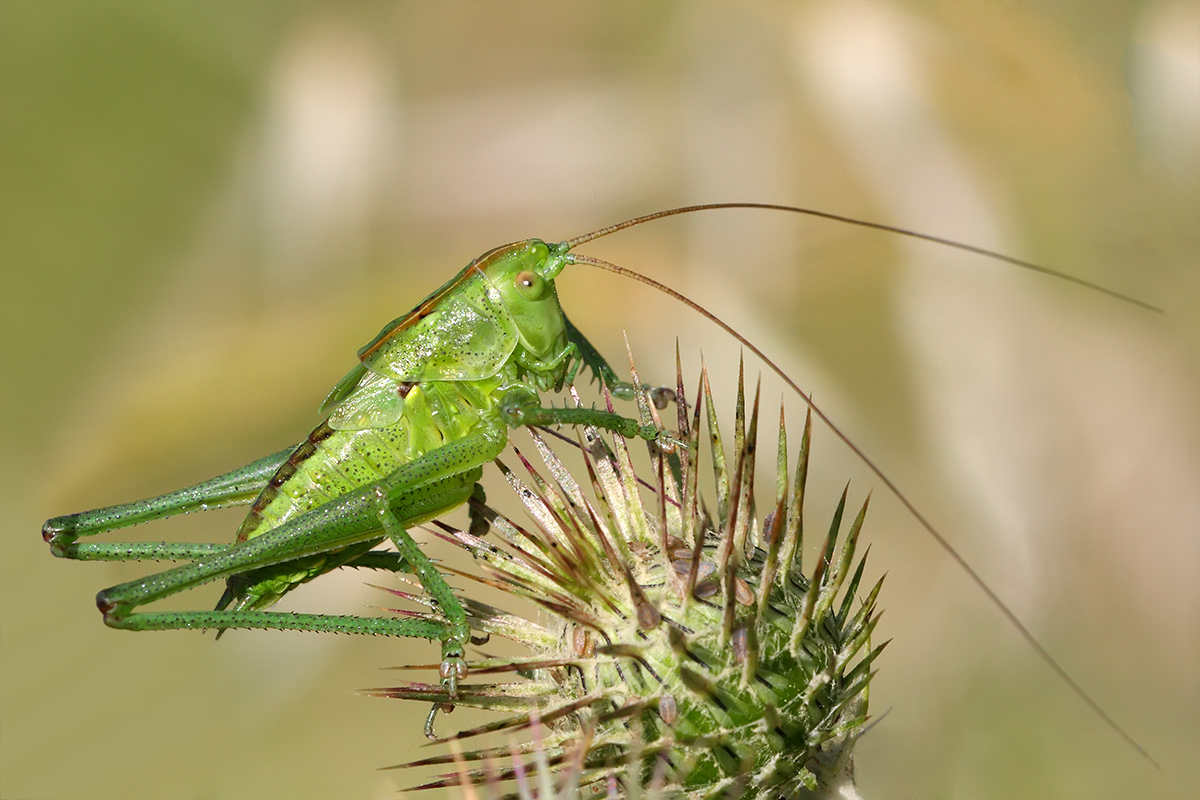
[[464, 332], [374, 402]]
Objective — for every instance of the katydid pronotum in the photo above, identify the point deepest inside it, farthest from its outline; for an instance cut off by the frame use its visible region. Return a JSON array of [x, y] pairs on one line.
[[404, 437]]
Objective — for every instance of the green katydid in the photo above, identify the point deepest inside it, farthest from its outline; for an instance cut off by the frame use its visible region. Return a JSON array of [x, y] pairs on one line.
[[404, 437]]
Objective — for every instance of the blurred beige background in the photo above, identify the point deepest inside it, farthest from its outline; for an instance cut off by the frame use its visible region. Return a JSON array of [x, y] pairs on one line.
[[208, 207]]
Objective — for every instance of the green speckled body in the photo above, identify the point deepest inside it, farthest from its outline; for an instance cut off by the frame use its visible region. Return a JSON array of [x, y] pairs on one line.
[[404, 438], [431, 377]]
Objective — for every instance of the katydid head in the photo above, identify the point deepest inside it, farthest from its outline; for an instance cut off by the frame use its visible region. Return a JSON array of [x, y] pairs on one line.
[[523, 273]]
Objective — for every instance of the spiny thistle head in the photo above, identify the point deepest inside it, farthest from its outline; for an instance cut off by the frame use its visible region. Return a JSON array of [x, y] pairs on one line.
[[680, 646]]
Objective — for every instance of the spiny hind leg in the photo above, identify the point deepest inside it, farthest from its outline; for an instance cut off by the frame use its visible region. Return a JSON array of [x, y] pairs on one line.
[[234, 488], [315, 534], [421, 489], [347, 522], [439, 480]]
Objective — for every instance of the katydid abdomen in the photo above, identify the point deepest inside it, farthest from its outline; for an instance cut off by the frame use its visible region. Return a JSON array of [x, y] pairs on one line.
[[332, 462]]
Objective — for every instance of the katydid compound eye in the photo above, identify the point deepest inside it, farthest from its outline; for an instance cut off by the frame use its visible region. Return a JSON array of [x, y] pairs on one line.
[[531, 285]]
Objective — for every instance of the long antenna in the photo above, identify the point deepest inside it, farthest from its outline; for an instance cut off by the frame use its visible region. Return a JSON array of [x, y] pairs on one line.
[[877, 226], [1000, 605]]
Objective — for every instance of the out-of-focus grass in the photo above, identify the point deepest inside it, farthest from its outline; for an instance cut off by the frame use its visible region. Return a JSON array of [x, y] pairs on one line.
[[207, 208]]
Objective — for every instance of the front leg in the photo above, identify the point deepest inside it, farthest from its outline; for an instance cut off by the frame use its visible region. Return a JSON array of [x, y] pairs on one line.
[[521, 408], [594, 361]]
